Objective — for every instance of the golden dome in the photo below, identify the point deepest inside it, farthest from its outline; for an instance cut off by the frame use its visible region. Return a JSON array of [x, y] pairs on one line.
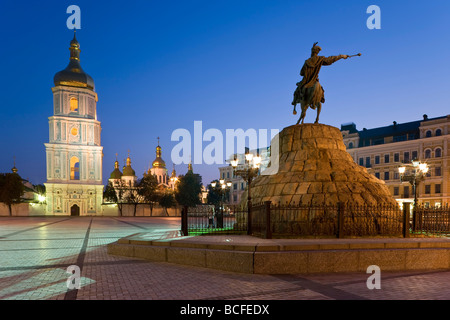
[[73, 75], [158, 162]]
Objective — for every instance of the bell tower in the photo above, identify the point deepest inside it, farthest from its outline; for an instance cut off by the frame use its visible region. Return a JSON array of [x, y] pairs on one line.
[[74, 151]]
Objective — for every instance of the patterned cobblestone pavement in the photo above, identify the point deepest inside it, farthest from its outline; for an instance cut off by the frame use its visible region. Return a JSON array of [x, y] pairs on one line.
[[35, 253]]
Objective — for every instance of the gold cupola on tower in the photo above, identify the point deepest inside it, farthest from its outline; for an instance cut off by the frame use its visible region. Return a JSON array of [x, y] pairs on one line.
[[73, 75], [158, 162]]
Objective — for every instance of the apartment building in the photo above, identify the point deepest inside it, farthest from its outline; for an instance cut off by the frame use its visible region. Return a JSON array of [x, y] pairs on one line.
[[383, 150]]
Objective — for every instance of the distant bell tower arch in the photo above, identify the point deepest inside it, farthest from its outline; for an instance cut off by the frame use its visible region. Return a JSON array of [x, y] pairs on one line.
[[74, 151]]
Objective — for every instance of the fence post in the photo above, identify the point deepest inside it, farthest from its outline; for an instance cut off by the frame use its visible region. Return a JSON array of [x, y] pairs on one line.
[[249, 217], [184, 221], [340, 222], [267, 213], [406, 210]]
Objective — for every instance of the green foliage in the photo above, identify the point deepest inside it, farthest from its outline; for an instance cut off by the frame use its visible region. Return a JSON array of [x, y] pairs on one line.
[[167, 200], [40, 189], [189, 190], [214, 195], [11, 189], [148, 188], [109, 195]]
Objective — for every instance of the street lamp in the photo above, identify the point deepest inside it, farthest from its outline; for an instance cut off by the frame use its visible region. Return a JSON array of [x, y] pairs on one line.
[[223, 188], [414, 177], [248, 171]]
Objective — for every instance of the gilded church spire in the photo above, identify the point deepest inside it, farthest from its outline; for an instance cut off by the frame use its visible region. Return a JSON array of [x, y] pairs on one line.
[[158, 162], [14, 169], [74, 48]]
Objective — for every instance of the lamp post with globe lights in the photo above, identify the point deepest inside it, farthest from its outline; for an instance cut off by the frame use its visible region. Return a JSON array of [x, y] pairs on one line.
[[414, 175], [247, 171], [224, 187]]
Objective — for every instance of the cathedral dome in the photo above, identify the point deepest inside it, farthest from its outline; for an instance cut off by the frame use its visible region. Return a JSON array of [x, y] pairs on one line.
[[73, 75], [128, 170], [116, 174], [158, 162]]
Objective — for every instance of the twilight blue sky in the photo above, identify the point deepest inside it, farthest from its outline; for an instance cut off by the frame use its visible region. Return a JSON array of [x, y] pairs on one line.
[[161, 65]]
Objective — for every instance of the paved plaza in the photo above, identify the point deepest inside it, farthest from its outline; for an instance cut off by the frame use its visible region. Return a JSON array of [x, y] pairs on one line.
[[35, 253]]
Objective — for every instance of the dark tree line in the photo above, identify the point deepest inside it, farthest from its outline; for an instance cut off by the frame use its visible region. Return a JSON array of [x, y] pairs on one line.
[[187, 193], [11, 189]]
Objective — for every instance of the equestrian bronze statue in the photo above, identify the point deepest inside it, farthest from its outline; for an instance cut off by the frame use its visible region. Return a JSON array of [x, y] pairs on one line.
[[309, 92]]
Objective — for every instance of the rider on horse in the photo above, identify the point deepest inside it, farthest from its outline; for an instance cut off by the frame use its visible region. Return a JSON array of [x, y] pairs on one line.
[[309, 92]]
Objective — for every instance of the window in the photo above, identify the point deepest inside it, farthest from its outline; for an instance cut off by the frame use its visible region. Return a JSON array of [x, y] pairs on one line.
[[437, 188], [396, 157], [437, 171], [396, 175], [406, 157], [438, 153], [428, 134], [73, 104], [396, 191], [386, 158], [228, 175], [438, 132], [427, 154], [361, 161], [377, 159], [235, 186], [74, 168], [368, 162], [386, 175], [377, 175], [406, 191], [350, 145], [414, 155], [427, 189], [242, 186]]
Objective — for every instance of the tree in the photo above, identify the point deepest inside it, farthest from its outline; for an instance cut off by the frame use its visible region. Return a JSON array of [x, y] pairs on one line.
[[131, 195], [214, 196], [148, 190], [109, 195], [40, 189], [189, 190], [11, 189], [167, 200]]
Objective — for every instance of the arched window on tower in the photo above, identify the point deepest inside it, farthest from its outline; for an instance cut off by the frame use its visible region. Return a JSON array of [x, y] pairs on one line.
[[427, 153], [438, 132], [428, 134], [73, 104], [74, 168]]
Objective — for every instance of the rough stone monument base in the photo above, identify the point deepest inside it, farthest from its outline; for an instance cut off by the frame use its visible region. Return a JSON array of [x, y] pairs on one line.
[[315, 169]]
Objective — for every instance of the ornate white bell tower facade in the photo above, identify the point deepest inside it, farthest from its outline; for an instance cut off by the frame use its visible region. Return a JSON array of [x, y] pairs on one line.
[[74, 152]]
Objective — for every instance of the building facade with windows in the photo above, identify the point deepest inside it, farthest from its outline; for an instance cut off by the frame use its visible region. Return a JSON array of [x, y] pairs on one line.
[[383, 150]]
